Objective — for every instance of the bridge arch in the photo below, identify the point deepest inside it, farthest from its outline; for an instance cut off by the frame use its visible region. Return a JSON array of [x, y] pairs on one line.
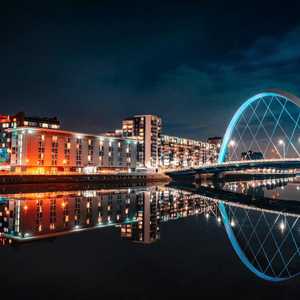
[[271, 94], [287, 257]]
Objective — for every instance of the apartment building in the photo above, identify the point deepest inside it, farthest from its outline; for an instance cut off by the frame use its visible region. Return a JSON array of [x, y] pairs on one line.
[[44, 150], [146, 129], [179, 152]]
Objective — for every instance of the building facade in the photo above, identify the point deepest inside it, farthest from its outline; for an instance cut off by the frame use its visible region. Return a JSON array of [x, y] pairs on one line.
[[146, 129], [38, 145], [217, 141], [178, 152], [8, 122], [43, 150]]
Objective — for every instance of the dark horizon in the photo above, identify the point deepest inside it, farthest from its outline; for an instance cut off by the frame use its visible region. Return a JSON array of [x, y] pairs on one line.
[[94, 63]]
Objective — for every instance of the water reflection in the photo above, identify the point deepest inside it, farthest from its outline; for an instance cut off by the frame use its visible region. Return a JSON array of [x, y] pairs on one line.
[[261, 218], [136, 212]]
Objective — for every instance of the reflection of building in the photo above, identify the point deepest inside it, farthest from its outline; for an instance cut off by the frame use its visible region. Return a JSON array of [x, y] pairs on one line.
[[185, 153], [43, 150], [147, 129], [16, 121], [137, 212], [50, 214], [146, 229]]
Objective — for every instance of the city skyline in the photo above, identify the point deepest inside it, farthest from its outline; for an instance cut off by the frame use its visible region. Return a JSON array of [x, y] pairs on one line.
[[98, 63], [150, 149]]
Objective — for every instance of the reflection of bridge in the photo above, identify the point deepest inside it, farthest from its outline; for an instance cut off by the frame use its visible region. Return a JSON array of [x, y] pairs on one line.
[[265, 239], [265, 126]]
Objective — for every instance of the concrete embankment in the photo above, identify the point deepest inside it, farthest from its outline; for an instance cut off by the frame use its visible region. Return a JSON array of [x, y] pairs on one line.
[[97, 178]]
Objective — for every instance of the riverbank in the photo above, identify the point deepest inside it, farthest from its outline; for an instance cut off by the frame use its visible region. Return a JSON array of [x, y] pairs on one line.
[[82, 178]]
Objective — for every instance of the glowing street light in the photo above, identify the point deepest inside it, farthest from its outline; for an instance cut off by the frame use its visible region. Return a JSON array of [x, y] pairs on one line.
[[282, 143], [232, 143]]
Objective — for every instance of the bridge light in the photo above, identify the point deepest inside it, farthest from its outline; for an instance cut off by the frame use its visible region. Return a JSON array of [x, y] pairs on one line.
[[282, 143], [232, 223], [232, 143]]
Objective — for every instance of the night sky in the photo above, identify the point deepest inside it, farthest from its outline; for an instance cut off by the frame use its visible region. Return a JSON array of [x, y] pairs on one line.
[[92, 63]]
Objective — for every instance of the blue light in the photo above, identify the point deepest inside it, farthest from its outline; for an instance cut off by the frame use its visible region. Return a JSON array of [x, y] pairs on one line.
[[4, 157], [238, 249], [240, 253], [236, 117]]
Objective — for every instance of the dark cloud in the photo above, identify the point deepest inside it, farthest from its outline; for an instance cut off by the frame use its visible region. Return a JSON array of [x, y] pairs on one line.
[[193, 62]]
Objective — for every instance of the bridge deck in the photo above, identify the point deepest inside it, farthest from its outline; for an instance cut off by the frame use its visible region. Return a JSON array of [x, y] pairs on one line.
[[275, 164]]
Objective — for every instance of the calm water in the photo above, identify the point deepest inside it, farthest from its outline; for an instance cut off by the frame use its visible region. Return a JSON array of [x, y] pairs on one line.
[[238, 240]]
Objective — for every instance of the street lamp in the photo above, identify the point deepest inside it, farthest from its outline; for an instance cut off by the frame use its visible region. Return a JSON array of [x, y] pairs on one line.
[[282, 143], [231, 145]]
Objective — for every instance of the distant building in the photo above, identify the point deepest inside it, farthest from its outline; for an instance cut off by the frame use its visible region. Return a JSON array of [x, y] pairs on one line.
[[115, 133], [179, 152], [44, 150], [250, 155], [217, 141], [147, 130]]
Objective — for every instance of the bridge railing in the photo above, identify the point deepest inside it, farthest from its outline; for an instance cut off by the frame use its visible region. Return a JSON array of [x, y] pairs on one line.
[[257, 161]]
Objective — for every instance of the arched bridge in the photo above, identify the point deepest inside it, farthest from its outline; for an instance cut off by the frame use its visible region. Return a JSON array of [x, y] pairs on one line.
[[264, 133]]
